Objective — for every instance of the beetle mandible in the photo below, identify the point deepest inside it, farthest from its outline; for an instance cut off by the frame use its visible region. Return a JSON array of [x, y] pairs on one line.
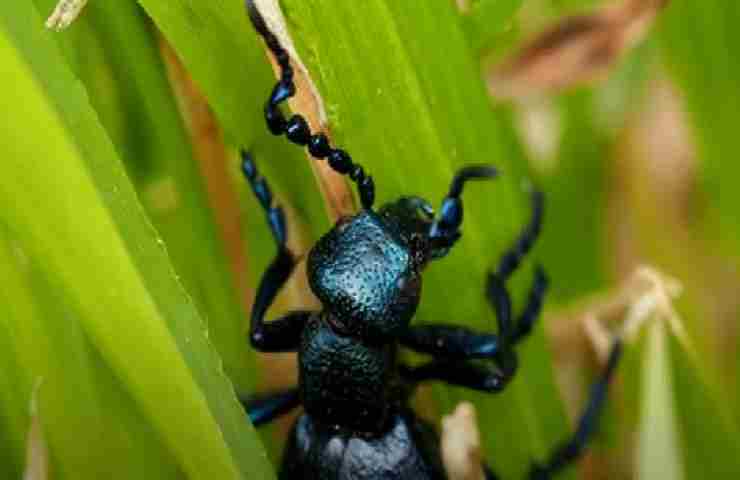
[[367, 273]]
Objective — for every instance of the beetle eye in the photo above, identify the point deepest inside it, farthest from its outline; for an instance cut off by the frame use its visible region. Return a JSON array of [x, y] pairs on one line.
[[426, 211]]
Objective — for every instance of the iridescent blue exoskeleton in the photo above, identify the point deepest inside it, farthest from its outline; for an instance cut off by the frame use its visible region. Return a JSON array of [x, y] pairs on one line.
[[367, 273]]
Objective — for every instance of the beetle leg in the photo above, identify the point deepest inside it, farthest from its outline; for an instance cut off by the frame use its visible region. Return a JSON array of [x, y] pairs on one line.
[[512, 258], [570, 450], [525, 321], [498, 297], [282, 334], [489, 473], [452, 345], [450, 341], [463, 373]]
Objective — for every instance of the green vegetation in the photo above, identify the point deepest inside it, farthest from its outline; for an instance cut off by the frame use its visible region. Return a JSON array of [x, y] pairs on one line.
[[123, 285]]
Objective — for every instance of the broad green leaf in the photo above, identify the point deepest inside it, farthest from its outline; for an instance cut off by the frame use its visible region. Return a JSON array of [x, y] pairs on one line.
[[217, 44], [576, 194], [710, 437], [590, 121], [699, 41], [405, 98], [487, 21], [573, 174], [81, 401], [102, 314], [658, 455]]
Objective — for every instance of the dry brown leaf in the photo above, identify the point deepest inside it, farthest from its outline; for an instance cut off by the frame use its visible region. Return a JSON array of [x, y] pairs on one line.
[[213, 161], [308, 102], [578, 50]]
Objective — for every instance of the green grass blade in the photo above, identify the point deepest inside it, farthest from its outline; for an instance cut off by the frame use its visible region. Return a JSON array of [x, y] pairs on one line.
[[686, 429], [113, 49], [81, 402], [70, 208], [710, 437], [659, 455], [487, 21], [699, 43], [405, 98], [576, 192], [236, 82]]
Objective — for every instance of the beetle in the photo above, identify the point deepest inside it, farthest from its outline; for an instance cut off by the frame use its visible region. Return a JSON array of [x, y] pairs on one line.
[[367, 273]]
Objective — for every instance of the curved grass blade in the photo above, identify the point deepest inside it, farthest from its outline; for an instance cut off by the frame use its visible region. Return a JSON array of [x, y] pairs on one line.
[[699, 43], [114, 51], [686, 428], [236, 82], [405, 98], [487, 20], [71, 210]]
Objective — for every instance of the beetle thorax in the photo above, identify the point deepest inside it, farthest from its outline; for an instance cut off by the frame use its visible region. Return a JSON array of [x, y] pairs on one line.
[[365, 277]]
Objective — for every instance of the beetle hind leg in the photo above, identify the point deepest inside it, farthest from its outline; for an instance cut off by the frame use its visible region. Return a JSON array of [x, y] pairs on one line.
[[265, 408]]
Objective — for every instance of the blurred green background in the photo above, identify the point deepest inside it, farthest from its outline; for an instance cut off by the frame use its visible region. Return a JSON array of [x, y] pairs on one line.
[[130, 247]]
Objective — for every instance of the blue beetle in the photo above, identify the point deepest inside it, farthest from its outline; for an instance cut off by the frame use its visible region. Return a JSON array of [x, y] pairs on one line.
[[367, 273]]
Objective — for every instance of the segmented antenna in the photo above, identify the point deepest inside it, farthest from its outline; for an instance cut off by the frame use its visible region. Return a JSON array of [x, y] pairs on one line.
[[296, 128]]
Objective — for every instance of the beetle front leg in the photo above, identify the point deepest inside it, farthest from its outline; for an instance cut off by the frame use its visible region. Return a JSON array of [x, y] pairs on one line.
[[464, 374], [454, 342], [282, 334], [452, 346], [451, 341], [512, 258], [509, 262]]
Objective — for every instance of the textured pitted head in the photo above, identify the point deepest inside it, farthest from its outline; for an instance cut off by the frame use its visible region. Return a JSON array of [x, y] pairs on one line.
[[365, 276]]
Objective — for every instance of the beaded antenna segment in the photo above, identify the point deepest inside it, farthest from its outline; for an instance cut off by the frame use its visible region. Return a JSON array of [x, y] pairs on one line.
[[296, 127]]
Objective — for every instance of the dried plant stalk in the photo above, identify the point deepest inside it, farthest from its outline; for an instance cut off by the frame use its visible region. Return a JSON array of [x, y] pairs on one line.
[[65, 12]]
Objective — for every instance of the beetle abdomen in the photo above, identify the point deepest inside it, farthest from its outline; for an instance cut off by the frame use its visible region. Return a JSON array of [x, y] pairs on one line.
[[407, 450]]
